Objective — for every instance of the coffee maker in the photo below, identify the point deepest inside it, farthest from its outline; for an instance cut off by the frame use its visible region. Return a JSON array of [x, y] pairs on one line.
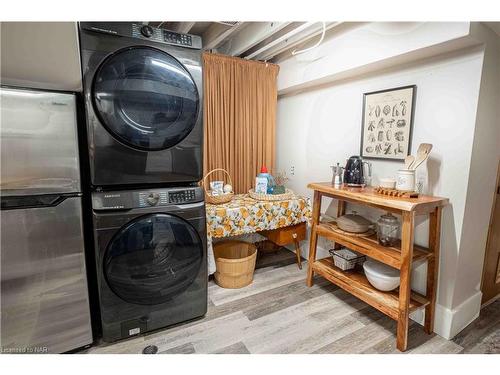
[[354, 174]]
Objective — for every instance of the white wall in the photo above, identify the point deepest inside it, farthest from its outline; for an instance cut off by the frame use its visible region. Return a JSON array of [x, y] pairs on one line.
[[322, 126], [482, 178], [356, 49]]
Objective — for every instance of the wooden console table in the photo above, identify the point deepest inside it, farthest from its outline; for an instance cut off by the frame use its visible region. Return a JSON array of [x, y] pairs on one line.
[[288, 235], [397, 305]]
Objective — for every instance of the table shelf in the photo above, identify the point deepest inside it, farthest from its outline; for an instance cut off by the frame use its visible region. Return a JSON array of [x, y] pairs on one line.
[[369, 246], [396, 304], [356, 283]]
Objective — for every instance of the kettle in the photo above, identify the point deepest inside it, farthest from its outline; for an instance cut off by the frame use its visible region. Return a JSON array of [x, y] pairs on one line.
[[354, 174], [337, 174]]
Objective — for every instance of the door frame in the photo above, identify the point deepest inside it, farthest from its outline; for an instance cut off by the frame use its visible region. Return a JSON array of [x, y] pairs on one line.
[[488, 239]]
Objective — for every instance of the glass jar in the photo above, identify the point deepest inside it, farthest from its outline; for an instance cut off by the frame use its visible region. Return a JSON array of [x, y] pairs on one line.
[[387, 230]]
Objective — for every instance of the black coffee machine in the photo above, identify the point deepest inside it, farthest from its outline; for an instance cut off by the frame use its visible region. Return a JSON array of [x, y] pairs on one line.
[[354, 174]]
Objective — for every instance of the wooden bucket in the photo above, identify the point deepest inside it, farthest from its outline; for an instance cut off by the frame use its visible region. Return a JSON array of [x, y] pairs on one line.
[[235, 263]]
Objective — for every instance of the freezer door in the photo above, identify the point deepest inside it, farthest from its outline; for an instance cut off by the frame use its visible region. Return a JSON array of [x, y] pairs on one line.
[[39, 148], [44, 295]]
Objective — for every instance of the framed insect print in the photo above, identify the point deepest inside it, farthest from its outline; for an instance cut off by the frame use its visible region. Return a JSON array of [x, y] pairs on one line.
[[387, 123]]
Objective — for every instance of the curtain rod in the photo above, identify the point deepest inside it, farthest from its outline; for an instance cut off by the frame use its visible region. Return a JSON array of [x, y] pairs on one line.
[[240, 59]]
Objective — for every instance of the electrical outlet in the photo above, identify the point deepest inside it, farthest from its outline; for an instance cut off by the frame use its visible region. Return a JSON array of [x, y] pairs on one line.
[[292, 170]]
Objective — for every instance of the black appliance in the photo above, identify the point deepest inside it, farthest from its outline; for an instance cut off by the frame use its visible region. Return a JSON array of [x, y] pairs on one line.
[[151, 258], [353, 172], [143, 102]]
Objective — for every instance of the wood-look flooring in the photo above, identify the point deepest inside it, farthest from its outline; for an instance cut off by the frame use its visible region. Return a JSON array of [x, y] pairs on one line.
[[278, 313]]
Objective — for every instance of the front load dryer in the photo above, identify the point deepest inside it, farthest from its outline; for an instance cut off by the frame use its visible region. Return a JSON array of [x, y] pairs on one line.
[[143, 102]]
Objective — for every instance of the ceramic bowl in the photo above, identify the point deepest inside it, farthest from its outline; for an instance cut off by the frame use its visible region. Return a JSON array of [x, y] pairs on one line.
[[381, 276], [354, 223]]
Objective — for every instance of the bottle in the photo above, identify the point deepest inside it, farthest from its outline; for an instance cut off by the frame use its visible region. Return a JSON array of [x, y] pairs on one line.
[[264, 183]]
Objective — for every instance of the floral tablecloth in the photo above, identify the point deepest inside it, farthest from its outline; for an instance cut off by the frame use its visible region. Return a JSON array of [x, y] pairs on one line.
[[245, 215]]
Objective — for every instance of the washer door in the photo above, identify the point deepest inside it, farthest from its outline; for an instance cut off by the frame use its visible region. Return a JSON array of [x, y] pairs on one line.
[[145, 98], [152, 259]]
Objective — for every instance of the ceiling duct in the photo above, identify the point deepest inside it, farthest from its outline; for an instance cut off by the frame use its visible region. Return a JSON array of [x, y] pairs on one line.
[[229, 23]]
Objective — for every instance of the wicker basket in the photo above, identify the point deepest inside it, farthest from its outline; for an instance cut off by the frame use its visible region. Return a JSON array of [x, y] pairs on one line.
[[346, 259], [235, 263], [217, 199], [271, 197]]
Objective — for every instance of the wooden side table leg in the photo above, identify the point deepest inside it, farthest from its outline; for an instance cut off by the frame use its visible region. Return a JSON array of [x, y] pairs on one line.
[[340, 212], [314, 237], [432, 268], [405, 285], [297, 250]]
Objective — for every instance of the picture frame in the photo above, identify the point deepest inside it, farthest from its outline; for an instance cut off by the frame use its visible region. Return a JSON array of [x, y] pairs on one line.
[[387, 123]]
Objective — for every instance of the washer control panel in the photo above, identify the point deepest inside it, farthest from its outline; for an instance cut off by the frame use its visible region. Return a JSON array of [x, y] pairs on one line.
[[153, 198], [129, 199], [182, 196]]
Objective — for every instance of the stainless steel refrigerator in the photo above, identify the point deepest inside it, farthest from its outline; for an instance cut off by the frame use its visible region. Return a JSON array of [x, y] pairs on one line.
[[44, 294]]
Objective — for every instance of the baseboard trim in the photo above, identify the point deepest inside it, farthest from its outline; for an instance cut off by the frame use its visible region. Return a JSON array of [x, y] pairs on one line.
[[450, 322]]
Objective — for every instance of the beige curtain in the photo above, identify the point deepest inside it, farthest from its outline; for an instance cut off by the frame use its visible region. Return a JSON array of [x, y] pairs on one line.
[[240, 99]]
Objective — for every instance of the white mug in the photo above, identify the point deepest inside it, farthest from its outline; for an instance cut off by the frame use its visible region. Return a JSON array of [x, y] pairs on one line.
[[405, 180]]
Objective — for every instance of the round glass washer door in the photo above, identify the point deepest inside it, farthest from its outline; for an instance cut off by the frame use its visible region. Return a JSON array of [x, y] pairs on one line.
[[145, 98], [152, 259]]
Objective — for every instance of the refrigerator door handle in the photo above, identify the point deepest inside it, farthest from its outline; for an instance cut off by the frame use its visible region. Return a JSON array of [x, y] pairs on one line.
[[35, 201]]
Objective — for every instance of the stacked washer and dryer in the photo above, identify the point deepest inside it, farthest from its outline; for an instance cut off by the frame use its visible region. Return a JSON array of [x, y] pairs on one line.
[[143, 103]]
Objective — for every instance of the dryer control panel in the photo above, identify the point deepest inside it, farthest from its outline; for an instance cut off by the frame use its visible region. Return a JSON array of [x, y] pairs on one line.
[[182, 196], [129, 199], [145, 32]]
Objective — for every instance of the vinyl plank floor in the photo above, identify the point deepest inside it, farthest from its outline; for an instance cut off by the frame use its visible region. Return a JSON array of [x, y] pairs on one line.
[[487, 322], [437, 345], [263, 281], [181, 349], [416, 337], [238, 348], [489, 344], [285, 331], [361, 339], [278, 313]]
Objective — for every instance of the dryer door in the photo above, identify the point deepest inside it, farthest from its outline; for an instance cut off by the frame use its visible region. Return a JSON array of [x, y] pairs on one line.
[[145, 98], [152, 259]]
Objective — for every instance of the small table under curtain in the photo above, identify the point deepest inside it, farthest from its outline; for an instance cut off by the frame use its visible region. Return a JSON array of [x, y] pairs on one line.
[[276, 220]]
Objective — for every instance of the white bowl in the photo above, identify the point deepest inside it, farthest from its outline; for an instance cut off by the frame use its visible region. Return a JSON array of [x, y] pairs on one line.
[[381, 276], [388, 183]]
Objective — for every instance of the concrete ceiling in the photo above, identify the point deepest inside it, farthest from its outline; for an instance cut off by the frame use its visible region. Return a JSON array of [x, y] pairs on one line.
[[495, 26], [251, 40]]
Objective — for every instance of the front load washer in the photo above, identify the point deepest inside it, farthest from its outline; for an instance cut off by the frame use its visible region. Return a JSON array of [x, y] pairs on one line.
[[143, 101], [151, 258]]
